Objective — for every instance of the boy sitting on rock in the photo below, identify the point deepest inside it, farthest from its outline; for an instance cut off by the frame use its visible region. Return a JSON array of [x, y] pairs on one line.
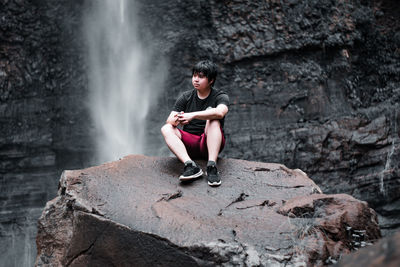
[[201, 112]]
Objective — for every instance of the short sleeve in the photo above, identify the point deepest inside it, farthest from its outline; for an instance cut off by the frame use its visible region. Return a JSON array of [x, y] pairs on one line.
[[222, 99], [180, 104]]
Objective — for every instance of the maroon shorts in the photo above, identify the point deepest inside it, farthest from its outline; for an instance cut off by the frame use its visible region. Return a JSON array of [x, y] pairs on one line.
[[196, 145]]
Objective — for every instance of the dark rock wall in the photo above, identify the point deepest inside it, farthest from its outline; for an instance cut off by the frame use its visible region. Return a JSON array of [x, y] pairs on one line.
[[43, 115], [313, 85]]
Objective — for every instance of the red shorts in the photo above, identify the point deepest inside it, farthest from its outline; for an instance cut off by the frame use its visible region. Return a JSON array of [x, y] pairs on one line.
[[196, 145]]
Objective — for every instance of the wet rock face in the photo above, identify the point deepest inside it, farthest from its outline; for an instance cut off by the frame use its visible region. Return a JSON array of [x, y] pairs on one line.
[[135, 211], [42, 113]]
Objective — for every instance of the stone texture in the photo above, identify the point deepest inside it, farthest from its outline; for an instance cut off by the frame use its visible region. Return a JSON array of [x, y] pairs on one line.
[[333, 225], [41, 61], [42, 112], [385, 253], [135, 212]]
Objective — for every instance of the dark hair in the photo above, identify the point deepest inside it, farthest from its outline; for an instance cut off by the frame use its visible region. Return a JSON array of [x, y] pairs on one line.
[[208, 68]]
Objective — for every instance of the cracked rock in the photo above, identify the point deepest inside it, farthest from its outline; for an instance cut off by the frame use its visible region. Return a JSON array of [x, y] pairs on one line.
[[135, 212]]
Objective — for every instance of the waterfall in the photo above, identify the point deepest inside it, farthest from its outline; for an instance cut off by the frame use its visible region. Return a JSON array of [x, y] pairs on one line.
[[121, 78], [388, 163]]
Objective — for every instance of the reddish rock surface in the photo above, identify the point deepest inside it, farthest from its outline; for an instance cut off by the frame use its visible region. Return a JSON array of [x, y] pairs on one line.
[[135, 212], [332, 225]]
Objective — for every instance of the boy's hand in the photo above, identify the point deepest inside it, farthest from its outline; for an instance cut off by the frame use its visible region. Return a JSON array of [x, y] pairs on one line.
[[176, 117], [173, 119], [177, 114], [184, 118]]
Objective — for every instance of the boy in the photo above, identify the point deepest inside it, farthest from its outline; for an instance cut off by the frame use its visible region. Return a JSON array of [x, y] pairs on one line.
[[201, 112]]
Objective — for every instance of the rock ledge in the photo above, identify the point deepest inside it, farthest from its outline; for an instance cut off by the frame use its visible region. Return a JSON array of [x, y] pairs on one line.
[[134, 211]]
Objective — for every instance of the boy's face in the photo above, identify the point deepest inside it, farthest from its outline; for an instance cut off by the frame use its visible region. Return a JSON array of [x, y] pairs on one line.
[[200, 81]]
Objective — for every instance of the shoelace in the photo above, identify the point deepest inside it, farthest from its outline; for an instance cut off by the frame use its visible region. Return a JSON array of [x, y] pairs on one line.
[[212, 169], [187, 166]]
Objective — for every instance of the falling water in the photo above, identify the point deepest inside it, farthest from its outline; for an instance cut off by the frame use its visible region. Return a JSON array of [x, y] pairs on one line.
[[388, 160], [121, 79]]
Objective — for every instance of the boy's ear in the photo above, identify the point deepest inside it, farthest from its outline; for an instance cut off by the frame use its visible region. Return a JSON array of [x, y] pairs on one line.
[[210, 82]]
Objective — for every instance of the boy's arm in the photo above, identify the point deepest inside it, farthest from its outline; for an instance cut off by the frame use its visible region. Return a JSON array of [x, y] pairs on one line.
[[209, 114], [180, 104], [173, 118]]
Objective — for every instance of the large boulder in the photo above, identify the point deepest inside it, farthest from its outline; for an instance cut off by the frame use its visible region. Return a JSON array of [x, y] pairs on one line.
[[135, 212]]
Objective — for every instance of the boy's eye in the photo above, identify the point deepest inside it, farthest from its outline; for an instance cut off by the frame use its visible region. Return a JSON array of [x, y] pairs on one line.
[[199, 75]]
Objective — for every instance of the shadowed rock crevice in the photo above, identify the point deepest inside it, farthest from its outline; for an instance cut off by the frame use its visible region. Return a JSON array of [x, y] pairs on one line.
[[135, 211], [385, 253]]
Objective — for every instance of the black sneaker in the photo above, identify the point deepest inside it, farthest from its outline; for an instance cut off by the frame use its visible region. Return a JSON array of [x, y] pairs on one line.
[[190, 171], [212, 174]]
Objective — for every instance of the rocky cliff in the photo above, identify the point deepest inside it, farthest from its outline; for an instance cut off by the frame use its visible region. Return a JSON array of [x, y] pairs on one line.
[[313, 85], [42, 113], [134, 212]]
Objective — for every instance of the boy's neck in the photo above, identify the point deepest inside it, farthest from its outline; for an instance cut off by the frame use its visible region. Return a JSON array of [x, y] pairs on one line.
[[202, 94]]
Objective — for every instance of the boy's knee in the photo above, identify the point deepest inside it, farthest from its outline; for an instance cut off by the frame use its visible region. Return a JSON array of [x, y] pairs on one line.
[[212, 126], [214, 123], [166, 129]]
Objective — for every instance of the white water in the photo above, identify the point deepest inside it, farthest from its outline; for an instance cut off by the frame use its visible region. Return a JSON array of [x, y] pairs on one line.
[[122, 81], [388, 160]]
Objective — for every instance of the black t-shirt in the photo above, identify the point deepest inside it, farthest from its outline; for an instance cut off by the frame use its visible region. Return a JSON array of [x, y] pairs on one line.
[[190, 102]]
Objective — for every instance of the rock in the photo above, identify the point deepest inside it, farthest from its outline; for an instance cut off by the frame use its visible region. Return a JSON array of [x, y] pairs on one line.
[[135, 211], [384, 253], [342, 222], [41, 79]]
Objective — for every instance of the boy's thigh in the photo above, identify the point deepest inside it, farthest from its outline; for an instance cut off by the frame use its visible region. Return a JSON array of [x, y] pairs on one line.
[[203, 143], [196, 145]]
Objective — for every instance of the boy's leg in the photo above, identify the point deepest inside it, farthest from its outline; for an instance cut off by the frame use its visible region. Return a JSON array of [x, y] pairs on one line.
[[173, 137], [214, 139]]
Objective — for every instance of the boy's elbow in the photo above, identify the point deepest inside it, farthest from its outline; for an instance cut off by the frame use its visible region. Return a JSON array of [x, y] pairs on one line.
[[221, 113]]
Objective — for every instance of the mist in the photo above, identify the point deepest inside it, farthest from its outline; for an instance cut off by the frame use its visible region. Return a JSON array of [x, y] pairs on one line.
[[122, 79]]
